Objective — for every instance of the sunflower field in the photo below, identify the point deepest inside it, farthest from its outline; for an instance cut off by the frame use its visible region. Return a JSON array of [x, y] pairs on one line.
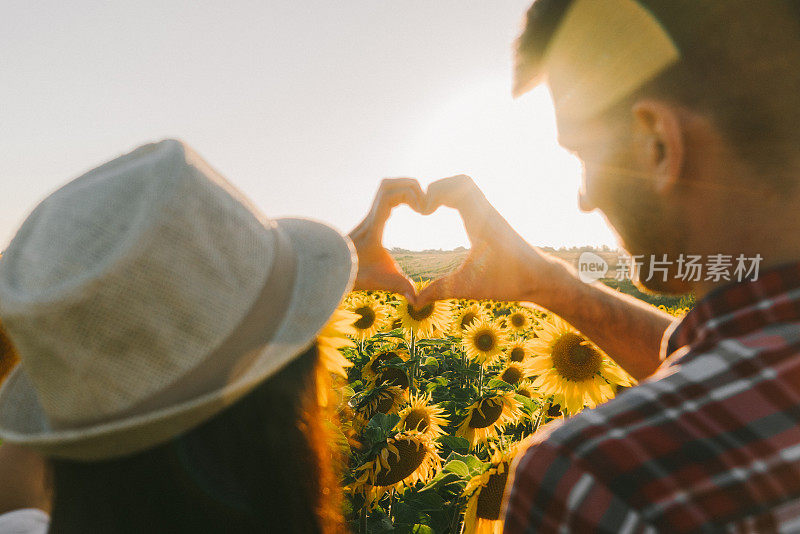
[[434, 404]]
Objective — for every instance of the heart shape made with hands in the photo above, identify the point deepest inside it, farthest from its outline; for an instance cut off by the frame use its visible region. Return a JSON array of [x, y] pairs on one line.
[[491, 268]]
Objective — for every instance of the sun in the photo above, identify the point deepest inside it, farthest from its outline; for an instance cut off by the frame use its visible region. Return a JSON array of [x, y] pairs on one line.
[[571, 367], [476, 128]]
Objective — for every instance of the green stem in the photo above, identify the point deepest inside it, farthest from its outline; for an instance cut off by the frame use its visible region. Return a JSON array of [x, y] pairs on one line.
[[414, 362], [542, 412], [362, 523], [456, 515]]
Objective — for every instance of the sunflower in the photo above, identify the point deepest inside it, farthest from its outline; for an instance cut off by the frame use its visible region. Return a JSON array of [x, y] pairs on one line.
[[391, 376], [526, 389], [422, 416], [487, 416], [513, 373], [519, 320], [404, 460], [570, 366], [379, 358], [465, 317], [372, 316], [423, 322], [555, 409], [485, 495], [332, 338], [382, 399], [519, 350], [483, 341]]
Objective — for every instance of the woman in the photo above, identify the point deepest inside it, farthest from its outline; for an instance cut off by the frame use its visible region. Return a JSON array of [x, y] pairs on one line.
[[171, 352]]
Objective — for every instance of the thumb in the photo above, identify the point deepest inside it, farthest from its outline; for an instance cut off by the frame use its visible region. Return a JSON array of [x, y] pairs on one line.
[[440, 289], [404, 286]]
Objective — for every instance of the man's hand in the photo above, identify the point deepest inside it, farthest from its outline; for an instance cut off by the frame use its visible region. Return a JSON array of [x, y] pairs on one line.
[[376, 267], [501, 265]]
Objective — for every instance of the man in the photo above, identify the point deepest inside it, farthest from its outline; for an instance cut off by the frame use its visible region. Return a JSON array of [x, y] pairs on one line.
[[685, 114]]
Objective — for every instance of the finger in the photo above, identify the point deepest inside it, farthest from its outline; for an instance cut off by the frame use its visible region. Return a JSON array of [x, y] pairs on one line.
[[460, 192], [452, 192], [392, 282], [392, 193], [404, 286], [442, 288]]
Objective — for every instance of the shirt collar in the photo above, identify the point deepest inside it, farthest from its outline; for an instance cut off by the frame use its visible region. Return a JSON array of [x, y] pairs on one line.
[[739, 308]]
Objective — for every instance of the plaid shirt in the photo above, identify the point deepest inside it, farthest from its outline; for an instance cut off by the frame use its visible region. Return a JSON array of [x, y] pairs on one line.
[[710, 443]]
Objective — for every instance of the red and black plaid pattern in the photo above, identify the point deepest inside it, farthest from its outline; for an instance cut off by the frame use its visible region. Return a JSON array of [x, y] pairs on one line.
[[710, 443]]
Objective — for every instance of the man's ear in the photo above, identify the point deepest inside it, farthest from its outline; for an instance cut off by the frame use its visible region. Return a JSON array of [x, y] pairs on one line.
[[663, 143]]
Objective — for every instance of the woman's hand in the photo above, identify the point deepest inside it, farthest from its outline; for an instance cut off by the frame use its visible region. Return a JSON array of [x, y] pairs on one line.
[[376, 267]]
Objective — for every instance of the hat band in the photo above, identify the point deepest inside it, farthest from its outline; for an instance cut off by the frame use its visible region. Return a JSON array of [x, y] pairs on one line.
[[235, 355]]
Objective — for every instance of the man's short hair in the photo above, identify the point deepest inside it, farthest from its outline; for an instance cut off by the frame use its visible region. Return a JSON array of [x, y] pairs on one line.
[[740, 66]]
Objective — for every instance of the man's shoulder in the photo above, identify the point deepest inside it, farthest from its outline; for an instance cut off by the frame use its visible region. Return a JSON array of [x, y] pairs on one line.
[[693, 382], [624, 417], [700, 417]]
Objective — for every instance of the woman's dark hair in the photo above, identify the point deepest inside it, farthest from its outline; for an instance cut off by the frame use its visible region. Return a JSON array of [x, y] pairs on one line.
[[262, 465]]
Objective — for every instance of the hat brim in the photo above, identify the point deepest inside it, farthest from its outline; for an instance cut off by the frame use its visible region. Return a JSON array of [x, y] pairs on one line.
[[325, 271]]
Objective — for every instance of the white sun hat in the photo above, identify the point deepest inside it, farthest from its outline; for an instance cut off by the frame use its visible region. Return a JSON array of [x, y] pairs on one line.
[[148, 295]]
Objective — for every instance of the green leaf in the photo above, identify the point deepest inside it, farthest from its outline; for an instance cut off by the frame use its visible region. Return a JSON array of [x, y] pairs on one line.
[[396, 333], [422, 529], [527, 403], [428, 342], [380, 526], [476, 466], [431, 362], [384, 422], [446, 482], [404, 513], [455, 443], [425, 501], [458, 467], [496, 383]]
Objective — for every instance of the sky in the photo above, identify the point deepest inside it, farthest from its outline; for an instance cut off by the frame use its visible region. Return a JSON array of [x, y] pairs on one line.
[[303, 105]]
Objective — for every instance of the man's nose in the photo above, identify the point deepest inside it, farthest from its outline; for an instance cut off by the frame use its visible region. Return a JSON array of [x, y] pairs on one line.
[[584, 203]]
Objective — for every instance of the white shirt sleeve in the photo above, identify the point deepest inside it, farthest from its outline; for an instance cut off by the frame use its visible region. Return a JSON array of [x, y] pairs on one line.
[[25, 521]]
